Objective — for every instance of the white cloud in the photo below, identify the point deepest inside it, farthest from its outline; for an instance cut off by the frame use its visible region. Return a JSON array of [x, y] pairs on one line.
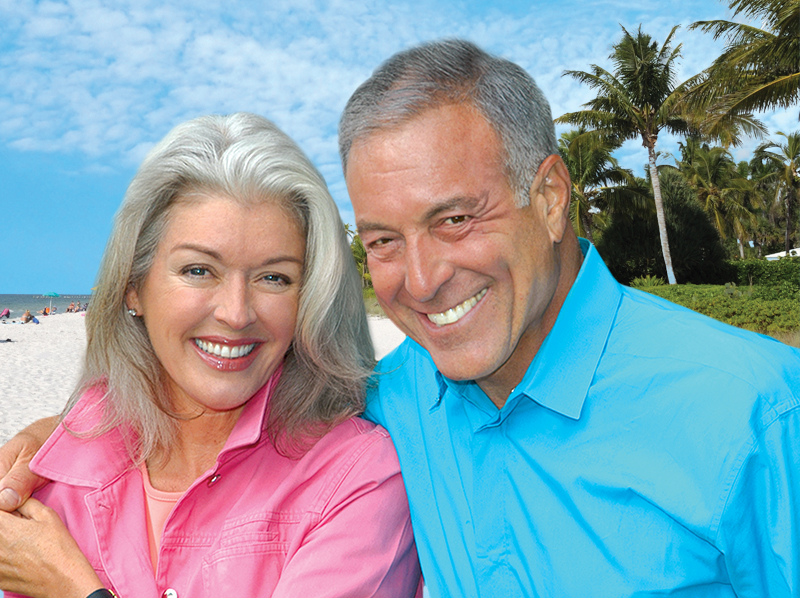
[[109, 78]]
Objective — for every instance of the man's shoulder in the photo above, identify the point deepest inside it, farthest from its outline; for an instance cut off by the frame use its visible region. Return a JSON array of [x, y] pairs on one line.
[[398, 381], [674, 338]]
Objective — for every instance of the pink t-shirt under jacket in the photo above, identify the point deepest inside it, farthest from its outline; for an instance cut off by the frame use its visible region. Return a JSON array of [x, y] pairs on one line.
[[334, 522]]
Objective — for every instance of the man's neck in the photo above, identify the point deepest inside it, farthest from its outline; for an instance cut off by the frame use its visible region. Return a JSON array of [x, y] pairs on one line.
[[502, 382]]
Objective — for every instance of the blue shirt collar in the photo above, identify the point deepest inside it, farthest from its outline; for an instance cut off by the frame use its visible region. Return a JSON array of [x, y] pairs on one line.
[[561, 373]]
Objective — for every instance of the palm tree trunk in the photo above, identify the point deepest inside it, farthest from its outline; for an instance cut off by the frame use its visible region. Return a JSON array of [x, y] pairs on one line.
[[787, 239], [587, 225], [741, 248], [662, 220]]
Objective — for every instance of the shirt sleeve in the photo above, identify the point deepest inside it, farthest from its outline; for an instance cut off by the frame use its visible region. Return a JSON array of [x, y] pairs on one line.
[[364, 544], [760, 526]]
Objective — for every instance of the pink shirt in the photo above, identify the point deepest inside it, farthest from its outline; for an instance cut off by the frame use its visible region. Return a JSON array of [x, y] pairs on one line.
[[332, 523]]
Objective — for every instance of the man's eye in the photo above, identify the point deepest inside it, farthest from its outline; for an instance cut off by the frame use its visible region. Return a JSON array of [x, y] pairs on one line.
[[456, 219]]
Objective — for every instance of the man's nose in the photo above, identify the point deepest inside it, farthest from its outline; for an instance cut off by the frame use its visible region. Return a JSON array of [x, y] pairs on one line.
[[234, 304], [427, 268]]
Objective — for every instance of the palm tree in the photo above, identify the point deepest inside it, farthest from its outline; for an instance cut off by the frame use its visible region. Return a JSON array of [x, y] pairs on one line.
[[638, 100], [759, 69], [599, 185], [785, 159], [721, 189], [360, 256]]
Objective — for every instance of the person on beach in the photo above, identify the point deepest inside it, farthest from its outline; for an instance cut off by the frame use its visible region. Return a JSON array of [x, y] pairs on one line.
[[212, 446], [27, 317], [71, 307], [559, 434]]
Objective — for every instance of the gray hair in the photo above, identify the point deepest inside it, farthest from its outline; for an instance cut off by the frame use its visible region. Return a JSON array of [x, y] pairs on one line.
[[247, 159], [456, 72]]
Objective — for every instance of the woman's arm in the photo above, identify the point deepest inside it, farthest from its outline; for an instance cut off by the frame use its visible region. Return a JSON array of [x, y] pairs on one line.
[[17, 483], [39, 557]]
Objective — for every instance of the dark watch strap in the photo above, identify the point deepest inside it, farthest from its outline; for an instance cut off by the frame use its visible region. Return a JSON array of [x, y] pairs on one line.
[[102, 593]]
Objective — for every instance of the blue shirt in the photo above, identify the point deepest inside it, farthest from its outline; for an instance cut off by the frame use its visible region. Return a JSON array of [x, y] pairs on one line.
[[648, 451]]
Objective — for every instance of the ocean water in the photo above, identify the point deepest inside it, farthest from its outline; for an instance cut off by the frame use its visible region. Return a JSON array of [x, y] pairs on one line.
[[17, 304]]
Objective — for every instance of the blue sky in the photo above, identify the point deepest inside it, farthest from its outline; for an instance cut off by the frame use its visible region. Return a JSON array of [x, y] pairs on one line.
[[88, 86]]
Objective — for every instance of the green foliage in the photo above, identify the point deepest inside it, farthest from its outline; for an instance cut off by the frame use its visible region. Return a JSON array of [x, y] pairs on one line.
[[746, 308], [630, 244], [762, 272], [360, 257], [758, 69], [647, 282]]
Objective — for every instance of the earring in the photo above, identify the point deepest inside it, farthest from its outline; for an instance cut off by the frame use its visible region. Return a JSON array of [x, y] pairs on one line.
[[548, 180], [132, 312]]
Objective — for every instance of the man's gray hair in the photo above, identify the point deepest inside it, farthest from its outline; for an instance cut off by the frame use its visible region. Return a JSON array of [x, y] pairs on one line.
[[455, 72], [244, 158]]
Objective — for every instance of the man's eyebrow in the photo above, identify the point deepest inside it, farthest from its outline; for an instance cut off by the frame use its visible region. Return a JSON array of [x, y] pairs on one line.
[[447, 205], [456, 203]]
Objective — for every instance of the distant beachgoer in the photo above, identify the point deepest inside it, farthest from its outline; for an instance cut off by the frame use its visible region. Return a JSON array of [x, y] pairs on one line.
[[71, 307], [27, 316]]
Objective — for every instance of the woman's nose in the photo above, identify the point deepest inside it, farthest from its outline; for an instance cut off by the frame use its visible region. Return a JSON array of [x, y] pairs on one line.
[[234, 306]]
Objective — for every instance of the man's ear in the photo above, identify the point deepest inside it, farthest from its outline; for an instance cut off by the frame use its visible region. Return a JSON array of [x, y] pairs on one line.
[[553, 188]]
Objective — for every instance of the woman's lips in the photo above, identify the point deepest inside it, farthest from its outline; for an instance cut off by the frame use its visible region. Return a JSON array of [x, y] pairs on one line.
[[227, 356]]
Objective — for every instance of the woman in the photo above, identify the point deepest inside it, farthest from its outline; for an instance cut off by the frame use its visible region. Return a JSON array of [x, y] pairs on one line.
[[211, 445]]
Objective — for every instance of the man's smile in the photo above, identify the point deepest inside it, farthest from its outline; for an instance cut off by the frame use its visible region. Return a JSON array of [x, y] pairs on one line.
[[454, 314]]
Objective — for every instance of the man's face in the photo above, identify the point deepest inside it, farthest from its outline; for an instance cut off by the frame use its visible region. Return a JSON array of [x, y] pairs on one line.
[[455, 264]]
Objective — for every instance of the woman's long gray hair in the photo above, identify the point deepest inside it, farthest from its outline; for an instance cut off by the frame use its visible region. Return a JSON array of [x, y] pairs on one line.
[[246, 158]]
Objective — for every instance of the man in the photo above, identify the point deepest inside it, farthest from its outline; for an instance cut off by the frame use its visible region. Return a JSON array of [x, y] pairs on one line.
[[559, 435]]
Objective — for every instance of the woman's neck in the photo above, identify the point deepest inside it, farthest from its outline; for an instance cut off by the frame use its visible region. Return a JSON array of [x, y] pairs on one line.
[[194, 451]]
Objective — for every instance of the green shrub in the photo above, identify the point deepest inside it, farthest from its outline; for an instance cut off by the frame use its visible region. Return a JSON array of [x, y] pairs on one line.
[[647, 282], [766, 273], [752, 309]]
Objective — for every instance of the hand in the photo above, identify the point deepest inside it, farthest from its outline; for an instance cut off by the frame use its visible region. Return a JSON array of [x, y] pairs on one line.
[[39, 557], [17, 483]]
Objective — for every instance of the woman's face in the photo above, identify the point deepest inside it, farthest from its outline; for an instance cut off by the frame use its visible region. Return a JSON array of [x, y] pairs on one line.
[[220, 301]]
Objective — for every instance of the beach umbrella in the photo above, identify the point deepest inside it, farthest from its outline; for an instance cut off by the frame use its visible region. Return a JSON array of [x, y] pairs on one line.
[[51, 295]]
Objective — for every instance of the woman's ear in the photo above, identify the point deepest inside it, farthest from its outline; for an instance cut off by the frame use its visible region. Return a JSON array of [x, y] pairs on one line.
[[132, 300]]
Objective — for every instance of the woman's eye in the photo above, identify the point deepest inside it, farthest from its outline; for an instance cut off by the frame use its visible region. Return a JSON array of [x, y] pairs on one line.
[[198, 271], [276, 279]]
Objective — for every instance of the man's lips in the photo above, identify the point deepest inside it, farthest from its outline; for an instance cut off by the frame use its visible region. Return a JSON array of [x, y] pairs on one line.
[[454, 314]]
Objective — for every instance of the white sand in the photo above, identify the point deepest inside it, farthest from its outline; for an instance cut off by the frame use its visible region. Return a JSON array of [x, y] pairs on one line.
[[39, 369]]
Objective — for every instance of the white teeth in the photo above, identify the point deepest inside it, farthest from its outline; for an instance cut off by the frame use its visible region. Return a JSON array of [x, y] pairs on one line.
[[224, 351], [454, 314]]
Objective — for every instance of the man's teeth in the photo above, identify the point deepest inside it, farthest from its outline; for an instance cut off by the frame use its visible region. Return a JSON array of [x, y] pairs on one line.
[[224, 350], [454, 314]]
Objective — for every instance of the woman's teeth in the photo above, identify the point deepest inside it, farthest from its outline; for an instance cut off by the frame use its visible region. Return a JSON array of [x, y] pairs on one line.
[[224, 351], [454, 314]]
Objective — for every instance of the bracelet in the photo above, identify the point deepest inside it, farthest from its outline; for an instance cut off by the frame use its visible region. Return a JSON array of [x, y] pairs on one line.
[[102, 593]]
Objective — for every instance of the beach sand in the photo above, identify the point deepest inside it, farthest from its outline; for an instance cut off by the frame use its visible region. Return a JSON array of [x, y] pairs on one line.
[[40, 367]]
